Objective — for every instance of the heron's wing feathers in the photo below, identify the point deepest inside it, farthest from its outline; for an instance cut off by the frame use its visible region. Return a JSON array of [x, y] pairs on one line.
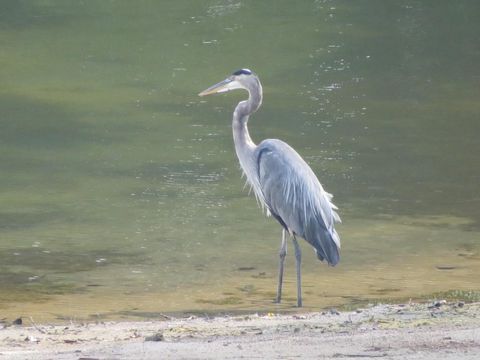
[[295, 197]]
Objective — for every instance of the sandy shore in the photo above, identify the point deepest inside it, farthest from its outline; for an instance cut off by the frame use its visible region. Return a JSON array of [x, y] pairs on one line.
[[414, 331]]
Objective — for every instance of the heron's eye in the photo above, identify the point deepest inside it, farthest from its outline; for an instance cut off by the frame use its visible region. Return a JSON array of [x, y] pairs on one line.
[[243, 72]]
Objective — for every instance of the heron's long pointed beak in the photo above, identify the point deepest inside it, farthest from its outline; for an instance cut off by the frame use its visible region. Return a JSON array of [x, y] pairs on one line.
[[222, 86]]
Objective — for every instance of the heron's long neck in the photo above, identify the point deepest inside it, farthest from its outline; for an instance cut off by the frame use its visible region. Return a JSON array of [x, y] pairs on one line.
[[244, 146]]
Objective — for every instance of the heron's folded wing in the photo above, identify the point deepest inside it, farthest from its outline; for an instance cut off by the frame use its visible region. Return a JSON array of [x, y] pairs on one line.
[[293, 193]]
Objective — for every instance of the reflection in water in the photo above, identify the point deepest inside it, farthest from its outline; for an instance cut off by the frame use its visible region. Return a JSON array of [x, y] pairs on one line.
[[120, 188]]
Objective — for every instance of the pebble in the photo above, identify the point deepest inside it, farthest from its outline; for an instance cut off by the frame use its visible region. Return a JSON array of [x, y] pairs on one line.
[[437, 304], [155, 337], [31, 339]]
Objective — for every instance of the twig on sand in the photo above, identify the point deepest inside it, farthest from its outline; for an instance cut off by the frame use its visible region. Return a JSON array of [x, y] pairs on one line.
[[359, 355], [36, 327]]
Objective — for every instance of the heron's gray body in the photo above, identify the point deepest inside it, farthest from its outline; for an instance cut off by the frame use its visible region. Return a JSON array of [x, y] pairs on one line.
[[295, 197], [282, 181]]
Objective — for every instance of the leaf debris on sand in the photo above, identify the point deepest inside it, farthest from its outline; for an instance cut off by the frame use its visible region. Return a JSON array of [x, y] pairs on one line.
[[413, 331]]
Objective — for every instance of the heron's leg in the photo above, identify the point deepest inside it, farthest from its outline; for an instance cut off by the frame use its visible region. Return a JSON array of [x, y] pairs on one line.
[[298, 261], [282, 254]]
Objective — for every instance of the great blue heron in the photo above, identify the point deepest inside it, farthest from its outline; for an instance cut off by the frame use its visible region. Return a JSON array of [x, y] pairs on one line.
[[283, 183]]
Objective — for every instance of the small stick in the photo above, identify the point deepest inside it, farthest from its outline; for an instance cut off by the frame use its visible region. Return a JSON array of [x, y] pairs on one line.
[[166, 317], [36, 327]]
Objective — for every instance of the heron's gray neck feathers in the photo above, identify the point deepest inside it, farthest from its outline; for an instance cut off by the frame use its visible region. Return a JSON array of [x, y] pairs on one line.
[[244, 145]]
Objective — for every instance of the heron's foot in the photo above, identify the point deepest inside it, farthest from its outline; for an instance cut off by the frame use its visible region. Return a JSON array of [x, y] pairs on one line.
[[299, 303]]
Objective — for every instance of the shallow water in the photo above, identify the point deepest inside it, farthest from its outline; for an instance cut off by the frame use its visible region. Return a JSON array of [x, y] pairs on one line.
[[121, 195]]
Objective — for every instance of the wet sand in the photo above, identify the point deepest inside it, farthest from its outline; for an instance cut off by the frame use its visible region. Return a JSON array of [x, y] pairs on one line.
[[415, 331]]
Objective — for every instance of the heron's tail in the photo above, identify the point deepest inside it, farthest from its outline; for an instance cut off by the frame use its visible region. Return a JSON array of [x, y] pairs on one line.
[[326, 244]]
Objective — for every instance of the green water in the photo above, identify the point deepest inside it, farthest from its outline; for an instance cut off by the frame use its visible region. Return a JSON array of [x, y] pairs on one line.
[[120, 191]]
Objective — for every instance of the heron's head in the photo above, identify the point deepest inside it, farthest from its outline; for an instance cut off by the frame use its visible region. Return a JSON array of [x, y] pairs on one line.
[[240, 79]]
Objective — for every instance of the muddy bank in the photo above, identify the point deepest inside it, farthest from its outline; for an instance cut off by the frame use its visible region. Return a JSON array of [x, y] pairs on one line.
[[415, 331]]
